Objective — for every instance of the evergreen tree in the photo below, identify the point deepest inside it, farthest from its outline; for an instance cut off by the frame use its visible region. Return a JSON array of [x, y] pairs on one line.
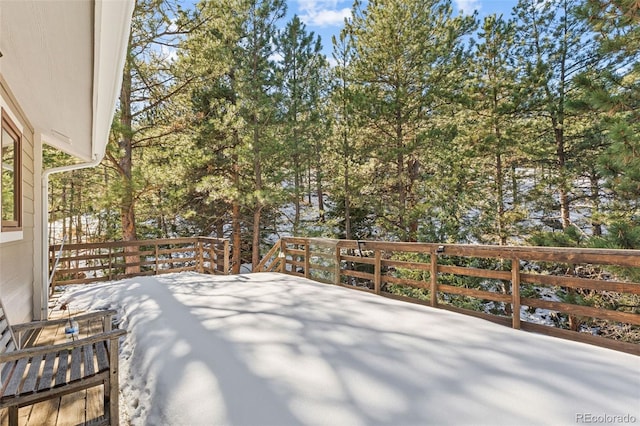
[[235, 110], [258, 101], [408, 63], [492, 124], [612, 92], [554, 49], [345, 148], [301, 76], [147, 86]]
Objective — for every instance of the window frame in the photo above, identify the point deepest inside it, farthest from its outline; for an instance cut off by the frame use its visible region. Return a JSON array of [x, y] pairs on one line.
[[6, 124]]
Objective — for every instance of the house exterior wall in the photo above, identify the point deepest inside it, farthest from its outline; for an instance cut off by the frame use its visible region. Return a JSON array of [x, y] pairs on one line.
[[17, 249]]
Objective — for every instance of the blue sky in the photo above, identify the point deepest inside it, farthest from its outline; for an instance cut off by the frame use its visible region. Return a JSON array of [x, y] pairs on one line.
[[326, 17]]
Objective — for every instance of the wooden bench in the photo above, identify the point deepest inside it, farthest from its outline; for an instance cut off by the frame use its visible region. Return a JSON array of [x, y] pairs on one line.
[[32, 375]]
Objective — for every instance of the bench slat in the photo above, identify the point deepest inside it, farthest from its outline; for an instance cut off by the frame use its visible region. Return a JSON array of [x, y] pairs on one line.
[[16, 377], [32, 375], [47, 372], [89, 369], [6, 338], [5, 373], [76, 362], [61, 374], [103, 359]]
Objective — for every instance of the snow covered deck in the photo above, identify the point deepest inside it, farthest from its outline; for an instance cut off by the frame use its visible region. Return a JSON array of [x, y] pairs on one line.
[[272, 349]]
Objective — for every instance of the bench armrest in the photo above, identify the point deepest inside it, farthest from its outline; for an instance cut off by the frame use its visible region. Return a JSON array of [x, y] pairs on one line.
[[43, 350], [18, 328]]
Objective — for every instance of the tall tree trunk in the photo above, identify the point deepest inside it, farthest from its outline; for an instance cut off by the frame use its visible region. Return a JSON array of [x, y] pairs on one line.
[[595, 203], [514, 185], [500, 198], [402, 180], [347, 207], [309, 184], [127, 202], [297, 183], [235, 212], [257, 212], [499, 177], [402, 193], [237, 238], [319, 177], [558, 126], [346, 155], [414, 173], [347, 189], [562, 190]]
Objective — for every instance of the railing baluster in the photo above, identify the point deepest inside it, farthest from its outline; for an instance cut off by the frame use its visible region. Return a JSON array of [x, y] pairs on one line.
[[336, 278], [434, 278], [377, 280], [307, 260], [515, 292], [226, 257]]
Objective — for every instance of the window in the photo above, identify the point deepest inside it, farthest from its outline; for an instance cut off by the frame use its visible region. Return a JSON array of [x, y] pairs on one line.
[[10, 169]]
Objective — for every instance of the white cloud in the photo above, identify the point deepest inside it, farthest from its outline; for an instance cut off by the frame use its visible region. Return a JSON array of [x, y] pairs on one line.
[[317, 4], [326, 18], [322, 13], [467, 6], [169, 54]]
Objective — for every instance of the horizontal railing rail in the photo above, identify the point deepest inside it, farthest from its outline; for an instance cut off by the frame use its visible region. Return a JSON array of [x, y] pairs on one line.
[[107, 261], [577, 290]]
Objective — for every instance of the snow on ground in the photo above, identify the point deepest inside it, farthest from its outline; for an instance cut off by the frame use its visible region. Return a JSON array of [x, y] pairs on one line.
[[271, 349]]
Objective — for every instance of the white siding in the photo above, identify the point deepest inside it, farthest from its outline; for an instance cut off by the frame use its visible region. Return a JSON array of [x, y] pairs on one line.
[[17, 257]]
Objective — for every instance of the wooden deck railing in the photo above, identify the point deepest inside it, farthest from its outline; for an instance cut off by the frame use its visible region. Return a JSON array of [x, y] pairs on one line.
[[497, 283], [93, 262]]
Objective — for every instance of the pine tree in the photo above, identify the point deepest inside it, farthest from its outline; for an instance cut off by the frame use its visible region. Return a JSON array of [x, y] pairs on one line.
[[553, 50], [408, 62], [612, 92], [344, 136], [301, 75], [259, 105], [235, 109], [147, 86], [492, 123]]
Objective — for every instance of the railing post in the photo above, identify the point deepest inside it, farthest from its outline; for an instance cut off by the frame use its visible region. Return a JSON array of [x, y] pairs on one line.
[[110, 263], [283, 255], [434, 278], [200, 261], [307, 260], [157, 255], [515, 292], [336, 269], [226, 258], [377, 272], [212, 254]]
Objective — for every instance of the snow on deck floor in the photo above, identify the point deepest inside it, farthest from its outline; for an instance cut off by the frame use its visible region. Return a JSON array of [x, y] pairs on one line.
[[272, 349]]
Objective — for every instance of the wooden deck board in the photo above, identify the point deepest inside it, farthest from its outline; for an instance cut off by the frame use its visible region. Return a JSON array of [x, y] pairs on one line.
[[94, 408], [44, 413], [72, 409]]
